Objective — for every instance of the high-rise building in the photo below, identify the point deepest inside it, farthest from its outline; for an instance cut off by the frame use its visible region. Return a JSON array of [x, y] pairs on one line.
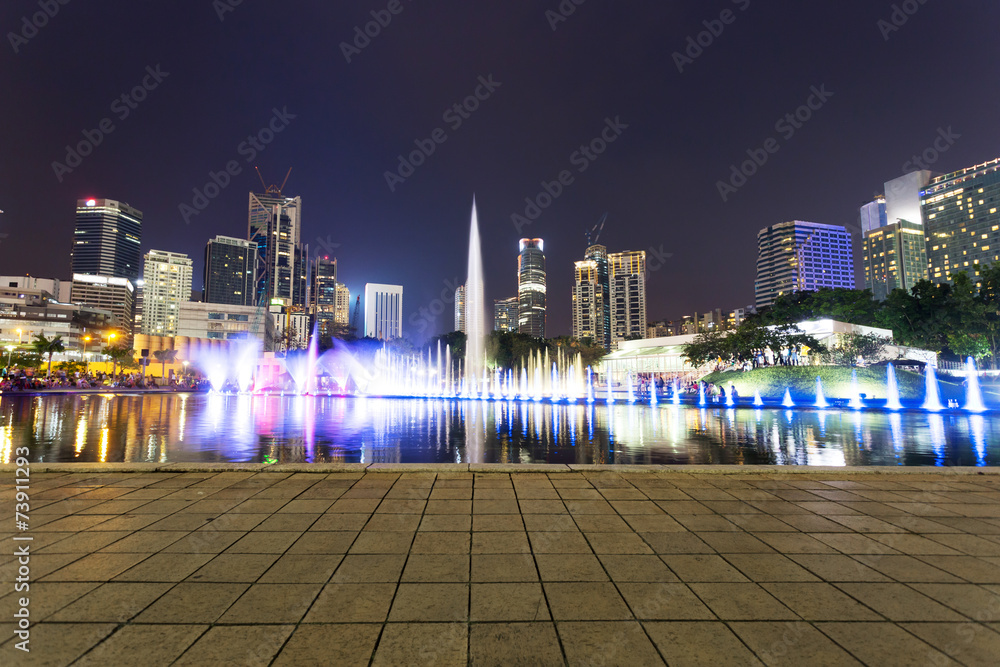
[[323, 294], [505, 313], [873, 215], [342, 314], [229, 271], [802, 256], [627, 279], [275, 226], [592, 297], [107, 239], [166, 285], [460, 309], [962, 221], [531, 288], [894, 257], [383, 311], [902, 197], [115, 295]]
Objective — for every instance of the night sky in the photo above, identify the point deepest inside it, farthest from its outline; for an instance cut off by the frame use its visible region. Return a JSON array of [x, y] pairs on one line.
[[220, 82]]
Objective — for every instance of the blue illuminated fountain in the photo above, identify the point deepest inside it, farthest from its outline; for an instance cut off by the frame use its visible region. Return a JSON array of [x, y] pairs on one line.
[[892, 401], [932, 393], [757, 402], [973, 394], [821, 401], [856, 401], [787, 402]]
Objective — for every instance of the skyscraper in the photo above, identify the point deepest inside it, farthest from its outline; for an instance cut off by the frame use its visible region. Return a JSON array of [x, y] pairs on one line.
[[894, 257], [802, 256], [383, 311], [323, 294], [531, 287], [627, 279], [505, 315], [460, 309], [229, 271], [873, 215], [107, 239], [962, 222], [115, 295], [342, 314], [592, 297], [275, 227], [166, 285]]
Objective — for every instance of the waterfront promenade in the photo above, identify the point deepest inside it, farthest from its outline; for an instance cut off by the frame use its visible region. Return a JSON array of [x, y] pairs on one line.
[[156, 564]]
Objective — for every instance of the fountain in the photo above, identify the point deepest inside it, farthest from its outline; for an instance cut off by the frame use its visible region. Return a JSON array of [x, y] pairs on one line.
[[730, 401], [932, 393], [701, 394], [973, 393], [788, 402], [475, 328], [892, 390], [677, 394], [856, 402], [821, 401], [757, 402], [652, 394]]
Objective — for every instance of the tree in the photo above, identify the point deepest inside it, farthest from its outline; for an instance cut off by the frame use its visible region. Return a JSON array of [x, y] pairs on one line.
[[966, 345], [870, 347], [120, 355], [48, 346], [843, 305], [165, 357]]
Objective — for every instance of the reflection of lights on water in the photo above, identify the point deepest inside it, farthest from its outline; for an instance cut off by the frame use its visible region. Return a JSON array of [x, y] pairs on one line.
[[977, 424], [938, 440], [81, 435], [896, 430], [6, 443], [104, 444]]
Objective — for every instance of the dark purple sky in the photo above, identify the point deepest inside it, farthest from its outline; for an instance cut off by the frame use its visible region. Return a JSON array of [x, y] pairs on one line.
[[657, 181]]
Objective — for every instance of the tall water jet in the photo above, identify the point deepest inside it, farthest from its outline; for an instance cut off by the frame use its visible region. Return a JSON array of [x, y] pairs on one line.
[[701, 394], [973, 394], [821, 401], [475, 313], [932, 393], [856, 402], [788, 402], [730, 401], [757, 402], [892, 390], [677, 394]]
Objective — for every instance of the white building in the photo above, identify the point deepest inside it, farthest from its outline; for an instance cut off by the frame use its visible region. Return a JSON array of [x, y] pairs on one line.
[[217, 321], [59, 290], [166, 285], [627, 278], [383, 311]]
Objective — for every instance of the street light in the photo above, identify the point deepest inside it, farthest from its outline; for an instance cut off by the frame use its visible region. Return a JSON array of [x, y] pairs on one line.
[[86, 358], [10, 351]]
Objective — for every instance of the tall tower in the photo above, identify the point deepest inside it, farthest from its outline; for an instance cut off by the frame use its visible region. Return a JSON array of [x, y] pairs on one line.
[[323, 294], [627, 278], [275, 225], [802, 256], [531, 288], [166, 285], [230, 271], [592, 297], [460, 309], [107, 239]]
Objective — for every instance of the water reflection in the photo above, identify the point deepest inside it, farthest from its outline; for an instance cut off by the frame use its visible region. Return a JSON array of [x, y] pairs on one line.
[[194, 428]]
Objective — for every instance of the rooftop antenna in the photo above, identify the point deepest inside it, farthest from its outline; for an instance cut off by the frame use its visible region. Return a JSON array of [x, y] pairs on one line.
[[599, 227]]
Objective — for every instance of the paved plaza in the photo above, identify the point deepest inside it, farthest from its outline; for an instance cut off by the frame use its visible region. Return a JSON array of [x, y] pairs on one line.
[[551, 566]]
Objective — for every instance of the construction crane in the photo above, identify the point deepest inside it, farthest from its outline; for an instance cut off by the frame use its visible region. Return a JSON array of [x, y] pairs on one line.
[[354, 318], [273, 189], [599, 227]]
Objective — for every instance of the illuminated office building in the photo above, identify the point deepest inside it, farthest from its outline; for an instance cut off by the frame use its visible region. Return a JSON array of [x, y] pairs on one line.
[[531, 287], [802, 256], [627, 282]]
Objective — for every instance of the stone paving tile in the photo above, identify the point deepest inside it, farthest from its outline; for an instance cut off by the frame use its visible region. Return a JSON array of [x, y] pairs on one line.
[[590, 601], [507, 602], [703, 568], [192, 603], [374, 568], [150, 645], [699, 644], [898, 602], [248, 645], [422, 644], [301, 568], [636, 568], [111, 603], [504, 644], [664, 601], [616, 643], [352, 603], [883, 644], [271, 603], [56, 643], [820, 602], [791, 644], [330, 645], [968, 643], [742, 602]]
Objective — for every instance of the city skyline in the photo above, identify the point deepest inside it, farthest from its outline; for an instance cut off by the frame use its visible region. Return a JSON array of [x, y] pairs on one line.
[[343, 125]]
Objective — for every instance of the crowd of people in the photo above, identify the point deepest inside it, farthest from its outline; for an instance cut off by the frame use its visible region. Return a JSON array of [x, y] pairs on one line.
[[28, 379]]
